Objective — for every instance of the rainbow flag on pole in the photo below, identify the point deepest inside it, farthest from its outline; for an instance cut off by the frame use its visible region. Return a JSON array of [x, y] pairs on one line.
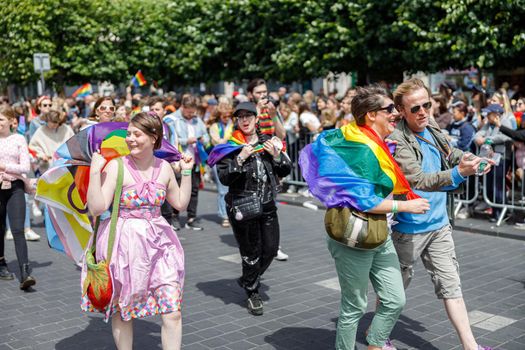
[[352, 167], [138, 79], [83, 91]]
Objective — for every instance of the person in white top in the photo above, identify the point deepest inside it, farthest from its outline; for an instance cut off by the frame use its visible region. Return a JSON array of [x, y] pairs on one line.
[[14, 163]]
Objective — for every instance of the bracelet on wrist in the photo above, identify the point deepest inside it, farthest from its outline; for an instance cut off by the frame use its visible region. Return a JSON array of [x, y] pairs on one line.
[[186, 172], [394, 207]]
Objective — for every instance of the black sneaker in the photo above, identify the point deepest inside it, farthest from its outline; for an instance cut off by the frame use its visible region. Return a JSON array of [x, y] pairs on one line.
[[193, 225], [5, 274], [175, 224], [255, 304]]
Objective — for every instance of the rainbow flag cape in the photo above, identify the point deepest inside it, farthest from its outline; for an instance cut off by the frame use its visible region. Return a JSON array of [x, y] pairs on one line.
[[352, 167], [235, 143], [138, 79], [63, 187], [83, 91]]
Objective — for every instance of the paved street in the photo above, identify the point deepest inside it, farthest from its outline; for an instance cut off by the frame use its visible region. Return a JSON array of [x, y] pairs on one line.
[[301, 296]]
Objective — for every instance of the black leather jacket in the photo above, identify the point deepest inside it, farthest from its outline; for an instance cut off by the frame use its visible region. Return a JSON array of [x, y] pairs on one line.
[[245, 179]]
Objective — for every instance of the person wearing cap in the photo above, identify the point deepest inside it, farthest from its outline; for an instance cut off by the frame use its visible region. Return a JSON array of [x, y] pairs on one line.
[[252, 168], [269, 123], [501, 143], [432, 167]]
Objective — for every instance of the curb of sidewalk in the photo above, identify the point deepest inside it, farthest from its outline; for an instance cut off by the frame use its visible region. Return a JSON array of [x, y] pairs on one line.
[[479, 226]]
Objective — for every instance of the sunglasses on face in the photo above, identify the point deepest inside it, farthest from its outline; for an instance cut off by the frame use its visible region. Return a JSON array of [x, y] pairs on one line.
[[46, 105], [389, 109], [425, 105], [106, 108]]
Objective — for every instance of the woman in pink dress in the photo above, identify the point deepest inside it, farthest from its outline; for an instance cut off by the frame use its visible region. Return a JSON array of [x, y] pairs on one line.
[[147, 263]]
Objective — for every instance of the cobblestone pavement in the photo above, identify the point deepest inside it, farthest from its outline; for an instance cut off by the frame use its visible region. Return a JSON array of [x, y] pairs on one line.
[[301, 296]]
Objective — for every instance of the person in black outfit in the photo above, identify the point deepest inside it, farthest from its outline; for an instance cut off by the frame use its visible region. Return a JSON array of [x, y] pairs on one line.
[[254, 169]]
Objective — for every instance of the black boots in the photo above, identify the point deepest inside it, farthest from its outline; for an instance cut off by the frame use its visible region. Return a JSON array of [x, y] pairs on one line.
[[4, 272], [25, 277]]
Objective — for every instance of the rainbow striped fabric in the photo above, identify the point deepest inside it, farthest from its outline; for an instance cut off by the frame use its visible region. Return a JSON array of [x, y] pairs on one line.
[[83, 91], [266, 123], [236, 142], [138, 79], [352, 167]]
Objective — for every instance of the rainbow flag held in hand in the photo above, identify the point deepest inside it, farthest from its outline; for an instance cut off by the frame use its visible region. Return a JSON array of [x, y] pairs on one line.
[[352, 167], [138, 79], [236, 142], [83, 91]]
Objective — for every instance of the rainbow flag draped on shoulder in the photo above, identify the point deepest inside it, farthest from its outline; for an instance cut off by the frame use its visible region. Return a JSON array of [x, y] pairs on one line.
[[352, 167], [236, 142]]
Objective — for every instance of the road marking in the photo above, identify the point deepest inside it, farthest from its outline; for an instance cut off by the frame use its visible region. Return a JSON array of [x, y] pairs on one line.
[[488, 321], [233, 258], [331, 283]]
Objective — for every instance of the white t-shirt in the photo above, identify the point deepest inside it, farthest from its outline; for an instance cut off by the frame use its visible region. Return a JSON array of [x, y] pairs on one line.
[[310, 119]]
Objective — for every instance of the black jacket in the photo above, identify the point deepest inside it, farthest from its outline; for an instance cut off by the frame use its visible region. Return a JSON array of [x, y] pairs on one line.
[[244, 179]]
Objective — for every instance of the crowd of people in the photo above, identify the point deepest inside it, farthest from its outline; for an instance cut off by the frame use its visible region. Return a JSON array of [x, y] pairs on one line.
[[247, 144]]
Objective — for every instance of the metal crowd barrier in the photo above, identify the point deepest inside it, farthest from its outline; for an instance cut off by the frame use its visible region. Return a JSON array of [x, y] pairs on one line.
[[502, 189], [293, 149], [499, 191]]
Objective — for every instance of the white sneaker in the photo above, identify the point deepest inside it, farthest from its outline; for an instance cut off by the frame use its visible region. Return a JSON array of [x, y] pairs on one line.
[[281, 256], [463, 214], [36, 211], [291, 189], [9, 235], [32, 235]]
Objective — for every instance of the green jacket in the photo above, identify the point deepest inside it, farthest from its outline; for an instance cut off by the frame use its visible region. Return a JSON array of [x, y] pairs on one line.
[[409, 156]]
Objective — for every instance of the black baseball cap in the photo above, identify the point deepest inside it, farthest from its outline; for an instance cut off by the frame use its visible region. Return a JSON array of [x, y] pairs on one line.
[[245, 106]]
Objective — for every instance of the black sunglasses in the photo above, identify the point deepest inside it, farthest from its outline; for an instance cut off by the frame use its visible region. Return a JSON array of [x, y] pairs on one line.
[[389, 109], [425, 105]]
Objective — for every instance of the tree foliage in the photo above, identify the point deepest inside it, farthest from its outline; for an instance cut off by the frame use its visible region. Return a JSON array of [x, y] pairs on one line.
[[209, 40]]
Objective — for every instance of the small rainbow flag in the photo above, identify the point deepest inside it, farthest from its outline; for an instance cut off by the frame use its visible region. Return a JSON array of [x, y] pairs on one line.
[[136, 110], [236, 142], [138, 79], [83, 91], [352, 167]]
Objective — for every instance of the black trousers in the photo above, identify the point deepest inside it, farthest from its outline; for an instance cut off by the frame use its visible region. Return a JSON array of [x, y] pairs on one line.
[[168, 212], [258, 241], [13, 202]]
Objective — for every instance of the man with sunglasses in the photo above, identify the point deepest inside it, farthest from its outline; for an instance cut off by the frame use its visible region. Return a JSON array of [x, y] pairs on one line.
[[432, 167]]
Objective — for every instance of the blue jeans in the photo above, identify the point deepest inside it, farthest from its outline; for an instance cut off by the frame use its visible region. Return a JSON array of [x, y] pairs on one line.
[[221, 192]]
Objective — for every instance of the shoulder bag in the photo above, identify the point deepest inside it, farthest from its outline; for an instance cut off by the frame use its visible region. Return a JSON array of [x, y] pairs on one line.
[[98, 285], [356, 229]]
